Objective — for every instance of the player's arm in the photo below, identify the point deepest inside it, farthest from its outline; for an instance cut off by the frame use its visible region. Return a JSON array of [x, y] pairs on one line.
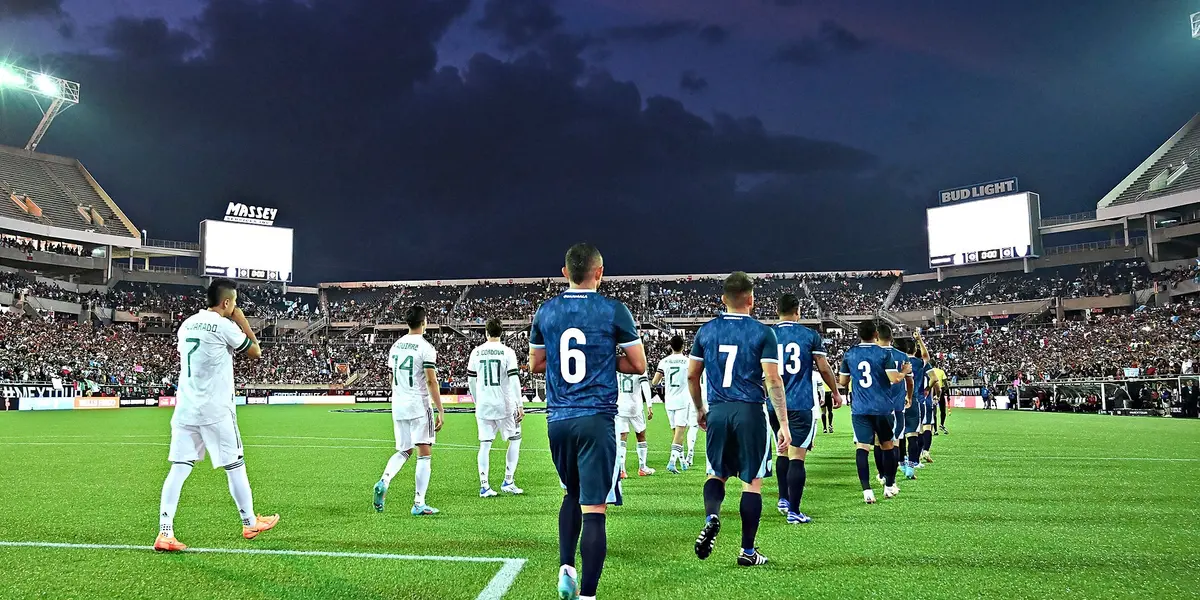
[[248, 344], [695, 371], [898, 374], [473, 375], [770, 356], [908, 390], [648, 397], [537, 347], [658, 377], [633, 362], [435, 388], [844, 374], [514, 392], [922, 351]]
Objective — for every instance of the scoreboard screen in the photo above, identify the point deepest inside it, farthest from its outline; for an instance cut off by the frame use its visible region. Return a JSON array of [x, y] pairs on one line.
[[242, 251], [1001, 228]]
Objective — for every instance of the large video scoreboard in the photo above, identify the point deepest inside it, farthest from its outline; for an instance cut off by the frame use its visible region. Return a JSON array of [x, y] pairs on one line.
[[999, 228], [244, 251]]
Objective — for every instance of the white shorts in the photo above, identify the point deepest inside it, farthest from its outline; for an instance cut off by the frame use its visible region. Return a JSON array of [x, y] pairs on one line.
[[222, 440], [637, 424], [508, 428], [679, 418], [410, 432]]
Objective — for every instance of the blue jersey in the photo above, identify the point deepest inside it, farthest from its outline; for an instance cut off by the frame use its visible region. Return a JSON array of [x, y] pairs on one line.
[[797, 347], [867, 366], [580, 331], [899, 392], [920, 373], [733, 348]]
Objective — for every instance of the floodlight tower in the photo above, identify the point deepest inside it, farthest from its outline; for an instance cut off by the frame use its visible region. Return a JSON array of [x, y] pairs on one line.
[[1196, 26], [61, 93]]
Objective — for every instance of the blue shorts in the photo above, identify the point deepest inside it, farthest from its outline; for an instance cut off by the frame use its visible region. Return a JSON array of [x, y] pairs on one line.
[[869, 428], [898, 424], [913, 417], [584, 451], [802, 425], [738, 441], [926, 411]]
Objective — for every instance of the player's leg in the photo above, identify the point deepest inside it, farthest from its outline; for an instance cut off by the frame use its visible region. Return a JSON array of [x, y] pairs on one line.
[[722, 462], [487, 435], [187, 447], [880, 465], [564, 453], [622, 449], [643, 448], [802, 439], [512, 430], [753, 442], [781, 466], [693, 433], [404, 447], [883, 430], [599, 486], [424, 437], [678, 421], [863, 436], [224, 444]]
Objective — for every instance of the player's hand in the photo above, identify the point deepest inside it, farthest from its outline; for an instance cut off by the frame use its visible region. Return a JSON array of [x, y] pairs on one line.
[[649, 414], [906, 369], [520, 416], [917, 333], [907, 403], [837, 399], [785, 439], [437, 423], [702, 419]]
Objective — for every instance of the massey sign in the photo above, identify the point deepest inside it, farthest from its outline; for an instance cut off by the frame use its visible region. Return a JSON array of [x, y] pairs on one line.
[[237, 212]]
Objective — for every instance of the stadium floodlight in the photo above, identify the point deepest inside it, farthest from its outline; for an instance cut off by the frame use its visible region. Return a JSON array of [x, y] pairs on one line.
[[1196, 26], [62, 94]]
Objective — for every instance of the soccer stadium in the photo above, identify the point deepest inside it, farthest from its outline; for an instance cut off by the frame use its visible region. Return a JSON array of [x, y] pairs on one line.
[[1053, 360]]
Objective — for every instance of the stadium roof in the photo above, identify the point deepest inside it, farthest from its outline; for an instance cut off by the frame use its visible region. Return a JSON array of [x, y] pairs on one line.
[[56, 197], [1172, 169]]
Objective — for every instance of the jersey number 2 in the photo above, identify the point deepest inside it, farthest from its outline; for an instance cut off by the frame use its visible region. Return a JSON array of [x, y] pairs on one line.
[[573, 362]]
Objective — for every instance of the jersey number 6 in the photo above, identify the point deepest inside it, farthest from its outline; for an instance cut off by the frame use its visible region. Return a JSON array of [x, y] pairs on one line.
[[573, 361]]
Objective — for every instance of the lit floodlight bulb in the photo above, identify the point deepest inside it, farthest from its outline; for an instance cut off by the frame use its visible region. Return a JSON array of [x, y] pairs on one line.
[[9, 77], [46, 85]]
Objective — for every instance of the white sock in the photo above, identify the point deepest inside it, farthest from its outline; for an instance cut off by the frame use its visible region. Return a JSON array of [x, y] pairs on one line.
[[484, 461], [510, 459], [394, 464], [642, 450], [676, 454], [170, 497], [692, 434], [621, 451], [239, 488], [423, 467]]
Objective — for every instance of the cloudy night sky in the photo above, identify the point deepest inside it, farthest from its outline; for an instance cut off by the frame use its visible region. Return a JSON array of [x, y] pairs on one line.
[[407, 139]]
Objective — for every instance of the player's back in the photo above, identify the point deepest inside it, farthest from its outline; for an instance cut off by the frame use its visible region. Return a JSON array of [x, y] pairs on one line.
[[798, 346], [206, 342], [408, 358], [920, 375], [629, 394], [492, 364], [580, 330], [733, 348], [867, 366], [899, 392], [674, 369]]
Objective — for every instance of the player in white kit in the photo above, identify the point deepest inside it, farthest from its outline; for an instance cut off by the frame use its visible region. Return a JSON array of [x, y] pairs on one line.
[[493, 377], [204, 417], [633, 392], [414, 383], [672, 373]]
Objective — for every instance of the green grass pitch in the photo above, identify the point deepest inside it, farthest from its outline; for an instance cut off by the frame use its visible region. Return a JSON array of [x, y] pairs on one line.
[[1016, 506]]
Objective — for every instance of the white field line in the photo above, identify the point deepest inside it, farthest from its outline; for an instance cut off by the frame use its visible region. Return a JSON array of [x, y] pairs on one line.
[[496, 587]]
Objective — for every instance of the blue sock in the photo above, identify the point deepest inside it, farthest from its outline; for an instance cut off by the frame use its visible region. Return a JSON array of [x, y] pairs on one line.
[[570, 521], [862, 461], [714, 495], [751, 510], [593, 548]]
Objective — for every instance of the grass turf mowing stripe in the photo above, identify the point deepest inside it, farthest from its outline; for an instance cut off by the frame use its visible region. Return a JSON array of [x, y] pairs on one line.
[[496, 587]]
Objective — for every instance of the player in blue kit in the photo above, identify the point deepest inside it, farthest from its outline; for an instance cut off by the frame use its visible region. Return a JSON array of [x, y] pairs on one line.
[[873, 373], [800, 350], [737, 354], [901, 399], [922, 405], [928, 419], [574, 341]]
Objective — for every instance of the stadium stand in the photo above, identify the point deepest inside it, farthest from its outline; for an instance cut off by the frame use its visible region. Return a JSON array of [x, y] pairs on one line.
[[57, 192], [1172, 169]]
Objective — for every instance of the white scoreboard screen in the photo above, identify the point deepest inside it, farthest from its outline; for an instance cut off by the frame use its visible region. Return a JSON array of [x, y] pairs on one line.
[[1001, 228], [241, 251]]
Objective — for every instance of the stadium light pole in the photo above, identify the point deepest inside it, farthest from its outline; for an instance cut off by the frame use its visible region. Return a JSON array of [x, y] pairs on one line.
[[1196, 26], [61, 93]]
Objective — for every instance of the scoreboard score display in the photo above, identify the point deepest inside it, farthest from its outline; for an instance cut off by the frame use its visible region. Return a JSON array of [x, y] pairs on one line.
[[1000, 228], [244, 251]]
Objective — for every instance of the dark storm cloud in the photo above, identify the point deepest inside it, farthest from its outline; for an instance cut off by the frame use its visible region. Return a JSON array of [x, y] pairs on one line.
[[520, 22], [832, 40], [786, 3], [692, 83], [148, 39], [24, 9], [661, 31], [714, 34], [389, 166]]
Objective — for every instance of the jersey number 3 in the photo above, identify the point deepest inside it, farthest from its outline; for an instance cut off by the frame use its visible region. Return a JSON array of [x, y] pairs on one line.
[[866, 380], [573, 363]]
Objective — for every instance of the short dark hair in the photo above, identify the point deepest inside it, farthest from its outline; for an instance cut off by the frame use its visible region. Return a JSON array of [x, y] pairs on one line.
[[414, 316], [494, 328], [867, 330], [789, 304], [219, 290], [581, 259], [885, 331], [677, 343], [906, 345], [737, 285]]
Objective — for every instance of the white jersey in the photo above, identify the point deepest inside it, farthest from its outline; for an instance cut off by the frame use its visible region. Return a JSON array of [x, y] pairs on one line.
[[493, 376], [631, 390], [674, 369], [408, 358], [206, 342]]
